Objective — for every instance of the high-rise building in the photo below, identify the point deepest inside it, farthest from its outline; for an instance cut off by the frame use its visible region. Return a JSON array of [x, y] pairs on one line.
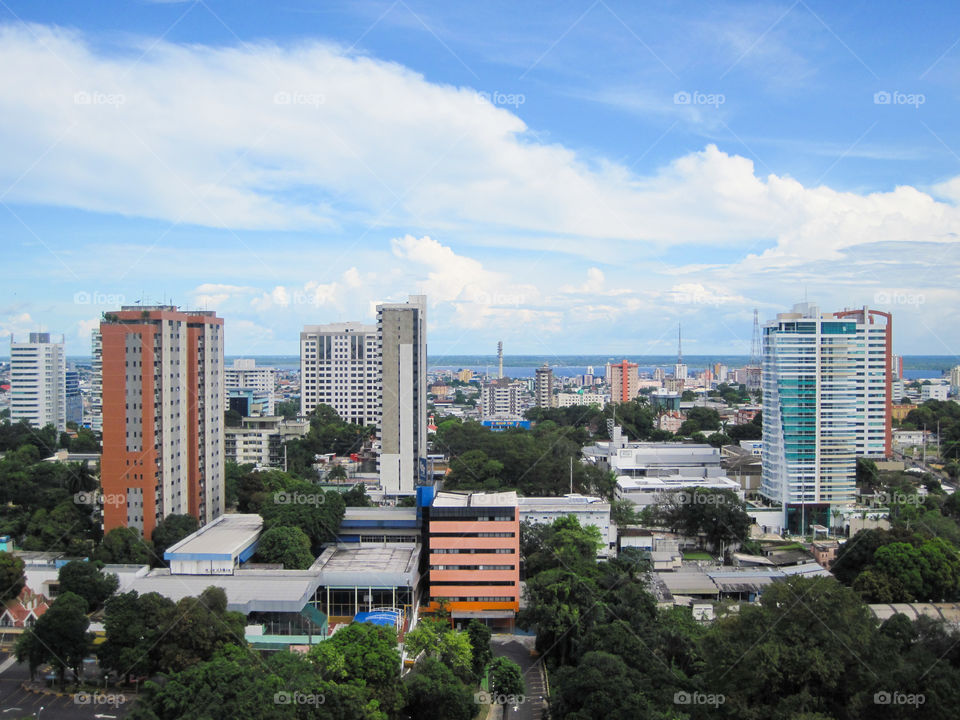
[[95, 409], [38, 371], [896, 363], [74, 401], [623, 378], [245, 375], [955, 379], [402, 432], [339, 367], [543, 387], [500, 399], [163, 447], [826, 401]]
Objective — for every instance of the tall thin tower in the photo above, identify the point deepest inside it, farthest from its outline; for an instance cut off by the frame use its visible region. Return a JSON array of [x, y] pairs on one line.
[[679, 370], [500, 359], [755, 342]]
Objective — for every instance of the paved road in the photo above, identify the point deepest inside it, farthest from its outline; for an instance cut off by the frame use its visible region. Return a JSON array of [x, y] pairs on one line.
[[533, 708], [17, 703]]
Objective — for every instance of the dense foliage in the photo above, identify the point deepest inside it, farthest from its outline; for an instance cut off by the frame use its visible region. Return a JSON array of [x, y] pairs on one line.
[[809, 649]]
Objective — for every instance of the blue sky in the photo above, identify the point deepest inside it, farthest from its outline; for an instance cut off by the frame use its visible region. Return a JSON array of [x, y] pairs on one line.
[[566, 176]]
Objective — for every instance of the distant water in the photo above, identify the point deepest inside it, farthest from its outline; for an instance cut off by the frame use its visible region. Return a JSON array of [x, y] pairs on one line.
[[916, 367]]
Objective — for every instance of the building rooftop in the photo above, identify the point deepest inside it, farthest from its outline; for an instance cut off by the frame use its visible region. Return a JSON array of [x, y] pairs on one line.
[[247, 590], [674, 482], [381, 565], [387, 514], [226, 537], [565, 502], [477, 499]]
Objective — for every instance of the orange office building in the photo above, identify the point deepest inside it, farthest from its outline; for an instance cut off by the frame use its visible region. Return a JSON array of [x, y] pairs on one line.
[[624, 381], [163, 450], [474, 556]]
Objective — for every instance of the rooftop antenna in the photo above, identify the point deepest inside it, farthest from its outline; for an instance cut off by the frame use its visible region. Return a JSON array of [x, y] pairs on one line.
[[755, 342], [679, 346], [500, 358]]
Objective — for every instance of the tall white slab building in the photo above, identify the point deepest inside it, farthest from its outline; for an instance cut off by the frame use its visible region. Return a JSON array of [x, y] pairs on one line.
[[402, 432], [38, 390]]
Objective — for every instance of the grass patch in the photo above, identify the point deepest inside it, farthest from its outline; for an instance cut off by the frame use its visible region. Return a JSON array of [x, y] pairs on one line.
[[697, 556]]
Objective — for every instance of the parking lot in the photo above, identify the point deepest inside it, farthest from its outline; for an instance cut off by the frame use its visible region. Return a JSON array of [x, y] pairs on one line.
[[15, 702]]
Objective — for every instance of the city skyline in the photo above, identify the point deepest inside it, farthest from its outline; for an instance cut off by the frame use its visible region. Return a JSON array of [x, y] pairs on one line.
[[584, 177]]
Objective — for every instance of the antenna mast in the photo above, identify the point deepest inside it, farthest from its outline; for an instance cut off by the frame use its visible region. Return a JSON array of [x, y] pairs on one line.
[[755, 342]]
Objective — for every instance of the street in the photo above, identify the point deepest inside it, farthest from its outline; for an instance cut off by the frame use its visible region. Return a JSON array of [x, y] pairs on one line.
[[509, 646]]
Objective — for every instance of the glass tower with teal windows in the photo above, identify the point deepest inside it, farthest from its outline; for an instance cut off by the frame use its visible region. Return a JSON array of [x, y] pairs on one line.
[[823, 405]]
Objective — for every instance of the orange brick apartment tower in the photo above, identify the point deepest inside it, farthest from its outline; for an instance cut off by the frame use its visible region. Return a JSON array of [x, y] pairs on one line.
[[162, 416], [475, 556]]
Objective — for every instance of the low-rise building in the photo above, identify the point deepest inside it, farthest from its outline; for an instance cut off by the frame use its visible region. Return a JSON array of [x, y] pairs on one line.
[[642, 459], [588, 511], [645, 491], [933, 391], [259, 440], [218, 548]]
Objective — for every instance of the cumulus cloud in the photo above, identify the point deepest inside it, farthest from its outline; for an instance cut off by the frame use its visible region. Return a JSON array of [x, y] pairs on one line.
[[261, 136]]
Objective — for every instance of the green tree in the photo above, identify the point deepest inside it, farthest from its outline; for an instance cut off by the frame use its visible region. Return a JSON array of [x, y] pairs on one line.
[[59, 637], [288, 546], [719, 515], [289, 409], [802, 648], [12, 578], [479, 635], [367, 656], [135, 628], [505, 677], [623, 513], [169, 531], [564, 543], [197, 627], [86, 580], [600, 686], [432, 691], [232, 475], [124, 545], [304, 505], [357, 496]]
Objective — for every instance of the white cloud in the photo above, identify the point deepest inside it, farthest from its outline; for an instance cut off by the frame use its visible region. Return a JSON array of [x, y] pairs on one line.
[[241, 137], [17, 326]]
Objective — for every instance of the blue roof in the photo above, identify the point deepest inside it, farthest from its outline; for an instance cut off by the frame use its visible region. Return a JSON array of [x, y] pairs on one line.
[[379, 617]]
